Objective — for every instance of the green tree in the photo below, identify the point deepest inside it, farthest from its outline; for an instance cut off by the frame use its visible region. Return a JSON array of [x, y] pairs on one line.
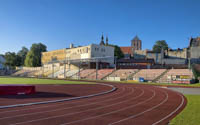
[[117, 52], [11, 59], [159, 45], [22, 55], [2, 55], [33, 58]]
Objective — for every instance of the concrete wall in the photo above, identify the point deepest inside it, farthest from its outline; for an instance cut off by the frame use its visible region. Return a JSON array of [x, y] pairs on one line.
[[113, 79], [195, 52], [103, 51], [177, 53], [29, 68], [78, 53], [173, 61], [53, 55], [156, 56], [140, 54]]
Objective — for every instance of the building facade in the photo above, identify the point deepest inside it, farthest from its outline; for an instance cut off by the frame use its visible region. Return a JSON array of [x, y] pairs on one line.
[[136, 43], [93, 52], [129, 51]]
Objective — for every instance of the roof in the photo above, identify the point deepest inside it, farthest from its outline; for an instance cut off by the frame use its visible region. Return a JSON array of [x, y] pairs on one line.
[[194, 42], [136, 60], [136, 38], [126, 50]]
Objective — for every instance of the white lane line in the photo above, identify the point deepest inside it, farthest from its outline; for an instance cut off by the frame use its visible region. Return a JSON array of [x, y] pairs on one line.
[[113, 111], [73, 113], [62, 100], [149, 109], [80, 101], [61, 109], [182, 102]]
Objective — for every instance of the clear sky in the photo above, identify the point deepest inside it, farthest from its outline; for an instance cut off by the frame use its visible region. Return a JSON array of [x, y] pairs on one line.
[[57, 23]]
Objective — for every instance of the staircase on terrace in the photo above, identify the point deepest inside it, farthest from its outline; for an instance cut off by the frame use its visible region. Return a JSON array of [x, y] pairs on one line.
[[160, 76]]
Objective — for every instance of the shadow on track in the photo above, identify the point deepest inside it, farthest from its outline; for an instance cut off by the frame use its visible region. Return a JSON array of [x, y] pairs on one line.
[[37, 95]]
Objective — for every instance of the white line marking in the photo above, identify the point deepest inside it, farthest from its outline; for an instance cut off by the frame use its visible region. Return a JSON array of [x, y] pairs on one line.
[[78, 112], [112, 111], [133, 116], [61, 109], [123, 89], [62, 100], [182, 102]]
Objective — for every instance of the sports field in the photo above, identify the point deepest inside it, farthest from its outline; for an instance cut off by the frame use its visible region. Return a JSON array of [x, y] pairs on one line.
[[189, 116], [13, 80]]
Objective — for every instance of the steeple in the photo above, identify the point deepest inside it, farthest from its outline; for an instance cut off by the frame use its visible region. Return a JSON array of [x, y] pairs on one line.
[[106, 40], [136, 43], [136, 38], [102, 40]]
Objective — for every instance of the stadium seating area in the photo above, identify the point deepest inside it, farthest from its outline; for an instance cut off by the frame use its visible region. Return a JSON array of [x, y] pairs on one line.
[[167, 78], [155, 75], [123, 73], [72, 73], [101, 74], [85, 73], [149, 74]]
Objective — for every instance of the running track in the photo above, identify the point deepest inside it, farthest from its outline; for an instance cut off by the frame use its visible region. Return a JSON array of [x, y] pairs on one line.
[[130, 104]]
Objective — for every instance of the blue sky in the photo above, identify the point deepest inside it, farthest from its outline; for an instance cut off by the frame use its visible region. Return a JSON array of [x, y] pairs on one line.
[[57, 23]]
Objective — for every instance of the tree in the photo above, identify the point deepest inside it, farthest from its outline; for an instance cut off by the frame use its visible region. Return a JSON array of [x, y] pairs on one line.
[[22, 55], [11, 59], [33, 58], [117, 51], [2, 55], [159, 45]]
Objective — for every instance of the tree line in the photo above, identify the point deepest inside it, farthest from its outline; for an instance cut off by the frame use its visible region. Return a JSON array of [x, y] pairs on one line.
[[25, 57]]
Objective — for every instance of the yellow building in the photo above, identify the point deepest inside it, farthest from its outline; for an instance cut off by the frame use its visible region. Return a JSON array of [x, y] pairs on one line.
[[53, 56]]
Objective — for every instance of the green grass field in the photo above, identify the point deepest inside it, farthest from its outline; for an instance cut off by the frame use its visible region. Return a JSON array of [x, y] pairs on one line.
[[13, 80], [191, 114]]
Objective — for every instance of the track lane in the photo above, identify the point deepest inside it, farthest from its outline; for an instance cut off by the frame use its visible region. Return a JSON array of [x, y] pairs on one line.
[[108, 116], [36, 108], [53, 92], [155, 106], [60, 108], [161, 112], [74, 112]]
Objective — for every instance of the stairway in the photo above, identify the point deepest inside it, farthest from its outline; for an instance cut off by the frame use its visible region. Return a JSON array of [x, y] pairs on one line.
[[160, 76], [130, 77], [104, 78]]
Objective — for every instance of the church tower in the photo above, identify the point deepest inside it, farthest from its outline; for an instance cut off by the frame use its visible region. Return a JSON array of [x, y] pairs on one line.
[[136, 43], [102, 40], [106, 40]]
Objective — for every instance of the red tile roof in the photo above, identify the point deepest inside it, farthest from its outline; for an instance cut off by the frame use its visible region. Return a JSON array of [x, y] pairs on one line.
[[126, 50]]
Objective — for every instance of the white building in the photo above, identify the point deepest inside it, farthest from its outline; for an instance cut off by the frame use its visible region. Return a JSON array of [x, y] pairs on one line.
[[88, 54]]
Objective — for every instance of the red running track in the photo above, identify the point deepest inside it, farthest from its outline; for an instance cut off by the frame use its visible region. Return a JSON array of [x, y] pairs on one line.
[[130, 104]]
